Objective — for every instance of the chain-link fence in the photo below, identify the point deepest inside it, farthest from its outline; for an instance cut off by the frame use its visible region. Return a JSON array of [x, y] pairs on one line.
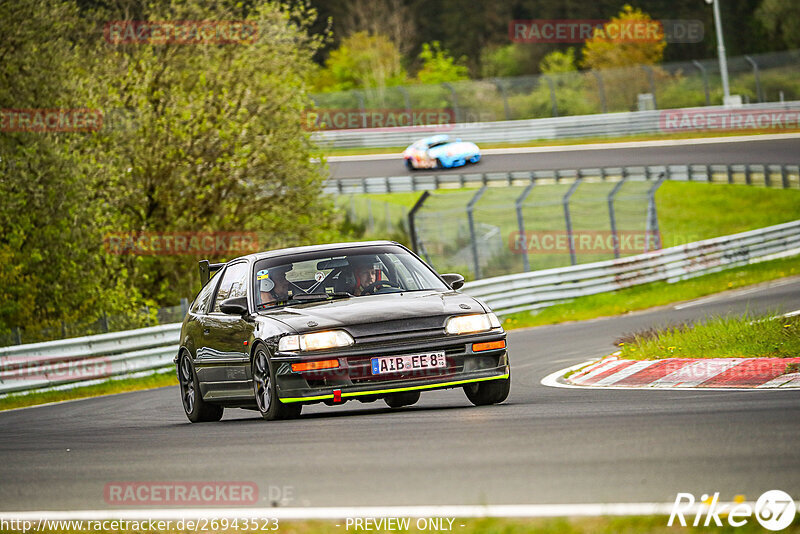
[[557, 220], [374, 217], [758, 78]]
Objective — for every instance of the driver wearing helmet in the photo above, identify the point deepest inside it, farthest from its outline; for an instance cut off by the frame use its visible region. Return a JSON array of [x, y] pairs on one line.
[[273, 285], [367, 271]]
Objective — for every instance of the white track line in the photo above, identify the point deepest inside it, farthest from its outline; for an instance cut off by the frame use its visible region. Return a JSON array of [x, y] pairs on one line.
[[553, 380], [467, 511], [591, 146]]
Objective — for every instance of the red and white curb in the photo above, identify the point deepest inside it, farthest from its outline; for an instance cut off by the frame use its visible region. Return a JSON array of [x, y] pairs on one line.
[[679, 373]]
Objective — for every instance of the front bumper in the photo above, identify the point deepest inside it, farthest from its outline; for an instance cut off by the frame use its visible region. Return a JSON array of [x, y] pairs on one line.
[[353, 378]]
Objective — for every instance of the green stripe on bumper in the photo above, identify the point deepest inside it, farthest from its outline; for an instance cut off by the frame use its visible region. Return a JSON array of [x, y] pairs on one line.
[[287, 400]]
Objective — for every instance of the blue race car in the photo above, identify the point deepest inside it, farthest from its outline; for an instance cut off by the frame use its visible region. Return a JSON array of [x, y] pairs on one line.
[[440, 152]]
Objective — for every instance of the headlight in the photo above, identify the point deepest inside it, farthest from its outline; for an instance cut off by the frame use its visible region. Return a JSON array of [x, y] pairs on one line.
[[468, 324], [315, 341]]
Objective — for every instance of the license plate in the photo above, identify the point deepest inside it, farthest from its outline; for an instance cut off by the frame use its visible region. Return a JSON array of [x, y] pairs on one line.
[[404, 364]]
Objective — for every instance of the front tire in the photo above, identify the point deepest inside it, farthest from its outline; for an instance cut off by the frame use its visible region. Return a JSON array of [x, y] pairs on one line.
[[488, 392], [266, 395], [440, 164], [195, 408], [398, 400]]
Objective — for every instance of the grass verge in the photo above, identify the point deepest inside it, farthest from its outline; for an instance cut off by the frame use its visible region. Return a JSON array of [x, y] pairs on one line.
[[158, 380], [557, 142], [719, 337], [654, 294], [583, 525]]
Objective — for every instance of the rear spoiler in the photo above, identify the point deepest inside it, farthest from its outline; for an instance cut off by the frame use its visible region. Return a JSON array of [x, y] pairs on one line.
[[207, 269]]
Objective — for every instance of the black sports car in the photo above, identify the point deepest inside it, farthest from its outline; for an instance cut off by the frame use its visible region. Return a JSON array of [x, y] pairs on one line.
[[273, 331]]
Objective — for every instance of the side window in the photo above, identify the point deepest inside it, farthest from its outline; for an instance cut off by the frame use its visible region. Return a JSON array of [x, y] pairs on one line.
[[404, 275], [200, 304], [233, 284]]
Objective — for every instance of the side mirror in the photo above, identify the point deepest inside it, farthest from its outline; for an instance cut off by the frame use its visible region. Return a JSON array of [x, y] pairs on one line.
[[454, 280], [234, 306]]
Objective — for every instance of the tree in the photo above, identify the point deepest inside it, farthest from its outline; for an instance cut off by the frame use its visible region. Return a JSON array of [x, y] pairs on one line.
[[438, 66], [391, 18], [782, 19], [215, 143], [605, 50], [364, 61], [51, 255], [219, 145]]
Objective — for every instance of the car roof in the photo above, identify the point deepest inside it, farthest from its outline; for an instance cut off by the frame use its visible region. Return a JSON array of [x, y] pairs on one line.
[[312, 248], [434, 139]]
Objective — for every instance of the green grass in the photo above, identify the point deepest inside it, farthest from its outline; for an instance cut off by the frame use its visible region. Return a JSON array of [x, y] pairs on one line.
[[563, 525], [693, 211], [654, 294], [328, 151], [747, 336], [158, 380]]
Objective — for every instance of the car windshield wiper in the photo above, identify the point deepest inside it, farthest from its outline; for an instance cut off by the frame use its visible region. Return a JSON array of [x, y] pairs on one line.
[[311, 297]]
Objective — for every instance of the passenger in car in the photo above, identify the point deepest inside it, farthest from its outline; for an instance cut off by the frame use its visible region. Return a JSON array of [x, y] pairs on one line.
[[273, 285]]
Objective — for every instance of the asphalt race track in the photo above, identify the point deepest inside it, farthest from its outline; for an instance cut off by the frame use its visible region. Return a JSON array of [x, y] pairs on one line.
[[774, 151], [544, 445]]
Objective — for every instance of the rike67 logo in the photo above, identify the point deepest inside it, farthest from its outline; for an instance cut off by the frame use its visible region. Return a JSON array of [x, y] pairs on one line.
[[774, 510]]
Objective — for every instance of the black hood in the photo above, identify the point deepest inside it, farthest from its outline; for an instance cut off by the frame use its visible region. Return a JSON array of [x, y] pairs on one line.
[[376, 314]]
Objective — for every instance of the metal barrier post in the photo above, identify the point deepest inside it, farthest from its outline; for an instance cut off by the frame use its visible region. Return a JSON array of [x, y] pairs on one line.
[[652, 216], [521, 224], [498, 82], [456, 110], [406, 98], [704, 73], [652, 81], [553, 100], [611, 215], [361, 106], [568, 219], [472, 235], [756, 75], [412, 227], [601, 90]]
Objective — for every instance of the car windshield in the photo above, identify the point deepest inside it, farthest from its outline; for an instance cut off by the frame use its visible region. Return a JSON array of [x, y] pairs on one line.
[[340, 274]]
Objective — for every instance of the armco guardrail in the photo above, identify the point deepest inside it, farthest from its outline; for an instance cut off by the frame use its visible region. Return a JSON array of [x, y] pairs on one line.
[[87, 359], [79, 361], [782, 176], [529, 291], [517, 131]]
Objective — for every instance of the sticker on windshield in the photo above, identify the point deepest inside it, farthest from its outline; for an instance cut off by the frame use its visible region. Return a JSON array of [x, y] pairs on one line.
[[263, 273], [319, 276]]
